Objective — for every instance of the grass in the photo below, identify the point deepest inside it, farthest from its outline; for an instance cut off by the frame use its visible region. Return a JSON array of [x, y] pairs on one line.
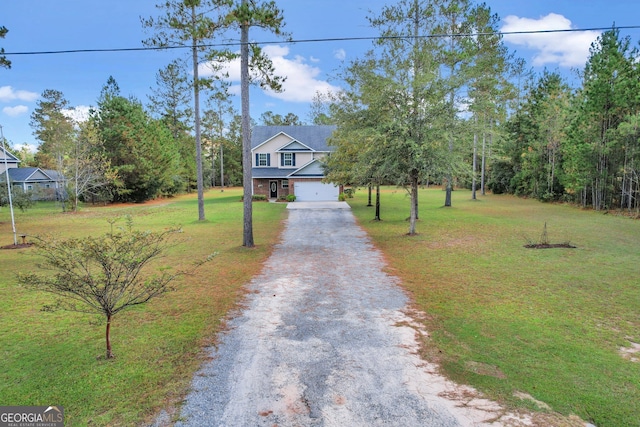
[[504, 318], [501, 317], [51, 358]]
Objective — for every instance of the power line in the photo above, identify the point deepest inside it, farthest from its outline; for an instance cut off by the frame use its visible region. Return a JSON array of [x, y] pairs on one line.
[[321, 40]]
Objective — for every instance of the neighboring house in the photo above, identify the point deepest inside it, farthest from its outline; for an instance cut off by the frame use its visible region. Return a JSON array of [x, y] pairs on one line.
[[288, 160], [45, 184], [7, 160]]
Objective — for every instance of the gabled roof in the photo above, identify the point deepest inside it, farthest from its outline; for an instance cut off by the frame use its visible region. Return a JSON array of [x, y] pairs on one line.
[[294, 147], [54, 175], [6, 154], [314, 137], [312, 169], [32, 175]]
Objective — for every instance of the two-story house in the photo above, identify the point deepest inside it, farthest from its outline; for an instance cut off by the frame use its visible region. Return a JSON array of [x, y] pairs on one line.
[[288, 160]]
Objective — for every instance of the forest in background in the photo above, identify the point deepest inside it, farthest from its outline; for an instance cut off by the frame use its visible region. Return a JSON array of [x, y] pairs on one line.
[[439, 99]]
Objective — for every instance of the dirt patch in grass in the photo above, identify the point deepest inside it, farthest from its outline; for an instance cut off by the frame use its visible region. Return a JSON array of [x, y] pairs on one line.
[[159, 202], [18, 246], [527, 396], [549, 245], [484, 369], [631, 353]]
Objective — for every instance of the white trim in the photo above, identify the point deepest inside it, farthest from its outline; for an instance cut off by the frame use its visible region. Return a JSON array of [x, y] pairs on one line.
[[10, 158], [280, 150], [284, 160], [273, 137], [302, 167], [266, 160]]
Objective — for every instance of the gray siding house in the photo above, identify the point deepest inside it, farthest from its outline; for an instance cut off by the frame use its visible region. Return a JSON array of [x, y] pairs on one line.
[[44, 183]]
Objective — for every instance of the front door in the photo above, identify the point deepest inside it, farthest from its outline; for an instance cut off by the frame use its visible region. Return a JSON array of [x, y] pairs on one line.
[[273, 189]]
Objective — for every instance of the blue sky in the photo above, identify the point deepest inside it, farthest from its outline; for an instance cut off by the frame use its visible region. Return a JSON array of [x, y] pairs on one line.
[[43, 25]]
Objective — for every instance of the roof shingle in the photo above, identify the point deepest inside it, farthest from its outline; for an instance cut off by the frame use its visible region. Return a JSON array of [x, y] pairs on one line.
[[314, 137]]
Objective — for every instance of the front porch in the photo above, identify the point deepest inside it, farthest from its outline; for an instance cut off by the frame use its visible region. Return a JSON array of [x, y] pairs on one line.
[[272, 188]]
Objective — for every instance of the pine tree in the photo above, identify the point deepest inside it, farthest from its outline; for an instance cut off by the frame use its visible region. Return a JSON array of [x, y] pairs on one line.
[[4, 62], [195, 22], [267, 16]]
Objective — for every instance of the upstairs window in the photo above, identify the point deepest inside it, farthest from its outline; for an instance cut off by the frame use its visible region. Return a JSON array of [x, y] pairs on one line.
[[263, 159], [288, 159]]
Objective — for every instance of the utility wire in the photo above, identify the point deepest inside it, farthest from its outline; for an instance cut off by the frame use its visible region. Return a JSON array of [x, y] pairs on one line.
[[336, 39]]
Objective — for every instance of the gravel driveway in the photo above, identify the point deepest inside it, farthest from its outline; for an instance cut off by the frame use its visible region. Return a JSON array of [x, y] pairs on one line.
[[319, 343]]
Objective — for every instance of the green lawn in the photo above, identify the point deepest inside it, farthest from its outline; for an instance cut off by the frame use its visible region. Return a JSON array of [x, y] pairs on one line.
[[501, 317], [504, 318], [51, 358]]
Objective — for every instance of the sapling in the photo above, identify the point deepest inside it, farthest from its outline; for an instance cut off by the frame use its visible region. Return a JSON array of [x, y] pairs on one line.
[[103, 274]]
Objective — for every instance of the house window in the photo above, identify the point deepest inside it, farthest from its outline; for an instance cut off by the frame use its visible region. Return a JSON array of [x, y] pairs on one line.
[[288, 159], [263, 159], [285, 183], [47, 186], [29, 187]]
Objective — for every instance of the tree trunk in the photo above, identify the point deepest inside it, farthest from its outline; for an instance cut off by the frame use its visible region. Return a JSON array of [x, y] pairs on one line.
[[377, 217], [414, 204], [76, 196], [247, 235], [449, 177], [475, 161], [221, 167], [196, 112], [553, 171], [108, 337], [483, 163], [213, 165], [369, 203]]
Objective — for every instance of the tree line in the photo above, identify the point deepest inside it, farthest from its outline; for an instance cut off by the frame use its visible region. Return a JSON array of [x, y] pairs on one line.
[[135, 174], [422, 105], [439, 99], [125, 151], [129, 152], [580, 145]]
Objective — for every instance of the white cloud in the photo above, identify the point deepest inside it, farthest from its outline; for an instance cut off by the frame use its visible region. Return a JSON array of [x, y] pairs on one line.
[[7, 93], [32, 148], [16, 111], [78, 114], [568, 49], [340, 54], [301, 82]]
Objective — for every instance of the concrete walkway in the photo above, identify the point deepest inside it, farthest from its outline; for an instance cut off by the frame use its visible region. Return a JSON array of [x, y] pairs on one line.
[[318, 205]]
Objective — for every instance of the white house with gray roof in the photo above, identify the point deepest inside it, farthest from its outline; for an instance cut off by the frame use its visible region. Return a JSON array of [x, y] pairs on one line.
[[288, 160]]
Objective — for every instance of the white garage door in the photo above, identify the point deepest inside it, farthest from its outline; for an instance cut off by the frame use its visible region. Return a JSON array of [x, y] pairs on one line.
[[315, 192]]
